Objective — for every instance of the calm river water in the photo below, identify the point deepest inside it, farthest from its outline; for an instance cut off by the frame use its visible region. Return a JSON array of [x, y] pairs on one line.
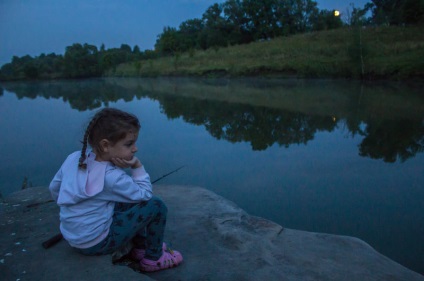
[[325, 156]]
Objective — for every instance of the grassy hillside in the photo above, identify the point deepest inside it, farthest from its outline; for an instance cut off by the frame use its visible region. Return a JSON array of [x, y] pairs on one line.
[[371, 53]]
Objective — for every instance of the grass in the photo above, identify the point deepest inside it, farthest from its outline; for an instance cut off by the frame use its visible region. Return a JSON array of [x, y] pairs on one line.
[[387, 53]]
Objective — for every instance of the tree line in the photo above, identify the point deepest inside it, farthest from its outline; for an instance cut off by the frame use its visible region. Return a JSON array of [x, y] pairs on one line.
[[240, 22], [79, 61], [229, 23], [244, 21]]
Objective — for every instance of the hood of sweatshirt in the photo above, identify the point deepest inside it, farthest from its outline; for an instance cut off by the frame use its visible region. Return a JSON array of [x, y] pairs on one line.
[[81, 184]]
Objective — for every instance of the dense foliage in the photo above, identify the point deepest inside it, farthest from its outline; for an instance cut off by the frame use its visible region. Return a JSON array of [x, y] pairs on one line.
[[79, 61], [396, 12], [239, 22], [233, 22]]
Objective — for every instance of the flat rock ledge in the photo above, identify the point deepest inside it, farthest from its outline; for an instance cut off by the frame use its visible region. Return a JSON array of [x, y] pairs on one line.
[[219, 241]]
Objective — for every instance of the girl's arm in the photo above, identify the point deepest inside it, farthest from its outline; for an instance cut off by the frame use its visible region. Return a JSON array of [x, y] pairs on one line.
[[134, 163], [124, 188], [55, 185]]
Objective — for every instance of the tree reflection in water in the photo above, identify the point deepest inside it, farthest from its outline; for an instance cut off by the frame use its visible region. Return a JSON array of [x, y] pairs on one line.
[[274, 113]]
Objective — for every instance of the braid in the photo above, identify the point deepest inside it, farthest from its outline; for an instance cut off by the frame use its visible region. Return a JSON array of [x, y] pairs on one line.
[[81, 163], [90, 126]]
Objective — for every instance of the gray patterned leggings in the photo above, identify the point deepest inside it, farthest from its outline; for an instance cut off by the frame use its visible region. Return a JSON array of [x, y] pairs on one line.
[[143, 223]]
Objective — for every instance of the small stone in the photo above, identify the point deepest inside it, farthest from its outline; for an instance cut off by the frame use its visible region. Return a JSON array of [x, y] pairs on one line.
[[18, 243], [23, 250], [8, 254], [2, 261], [13, 234]]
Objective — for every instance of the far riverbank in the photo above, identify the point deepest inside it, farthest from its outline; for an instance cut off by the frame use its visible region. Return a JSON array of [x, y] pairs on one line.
[[372, 53]]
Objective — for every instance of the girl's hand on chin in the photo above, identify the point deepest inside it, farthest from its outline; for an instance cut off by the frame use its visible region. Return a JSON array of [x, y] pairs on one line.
[[122, 163]]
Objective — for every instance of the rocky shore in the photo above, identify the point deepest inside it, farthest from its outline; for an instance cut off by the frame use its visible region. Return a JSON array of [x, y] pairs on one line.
[[219, 241]]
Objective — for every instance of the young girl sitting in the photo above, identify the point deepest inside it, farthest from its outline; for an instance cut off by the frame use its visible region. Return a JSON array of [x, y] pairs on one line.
[[102, 208]]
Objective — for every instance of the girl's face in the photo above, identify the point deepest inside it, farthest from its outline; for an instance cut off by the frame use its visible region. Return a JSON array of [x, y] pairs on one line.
[[124, 148]]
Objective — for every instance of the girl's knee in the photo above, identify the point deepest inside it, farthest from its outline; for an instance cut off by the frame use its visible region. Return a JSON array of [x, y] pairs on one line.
[[157, 202]]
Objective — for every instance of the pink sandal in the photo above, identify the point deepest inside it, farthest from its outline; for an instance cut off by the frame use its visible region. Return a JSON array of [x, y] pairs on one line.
[[169, 259], [138, 254]]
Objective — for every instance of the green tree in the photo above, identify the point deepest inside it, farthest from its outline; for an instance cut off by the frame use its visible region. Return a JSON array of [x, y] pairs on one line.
[[271, 18], [49, 66], [327, 20], [6, 72], [31, 71], [304, 14], [149, 54], [81, 61], [387, 12], [136, 50], [263, 18], [413, 12], [126, 53], [189, 34], [20, 67], [126, 48], [216, 31], [237, 22], [168, 41], [357, 16]]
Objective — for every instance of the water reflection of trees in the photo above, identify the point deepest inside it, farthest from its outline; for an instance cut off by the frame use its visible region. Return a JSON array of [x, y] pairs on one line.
[[80, 94], [388, 140], [384, 138], [260, 126], [392, 139]]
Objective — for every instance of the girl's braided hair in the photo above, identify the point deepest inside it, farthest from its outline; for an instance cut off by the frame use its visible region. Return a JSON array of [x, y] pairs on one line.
[[108, 123]]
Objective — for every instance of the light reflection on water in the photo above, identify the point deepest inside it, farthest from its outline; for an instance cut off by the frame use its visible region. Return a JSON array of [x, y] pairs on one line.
[[324, 156]]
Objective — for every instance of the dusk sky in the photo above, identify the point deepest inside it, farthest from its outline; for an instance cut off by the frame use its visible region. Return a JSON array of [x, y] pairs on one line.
[[46, 26]]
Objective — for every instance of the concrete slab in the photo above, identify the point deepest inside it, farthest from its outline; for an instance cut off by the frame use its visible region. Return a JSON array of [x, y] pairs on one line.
[[219, 241]]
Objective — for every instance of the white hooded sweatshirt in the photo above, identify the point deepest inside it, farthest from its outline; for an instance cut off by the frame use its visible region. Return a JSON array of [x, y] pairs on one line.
[[87, 197]]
